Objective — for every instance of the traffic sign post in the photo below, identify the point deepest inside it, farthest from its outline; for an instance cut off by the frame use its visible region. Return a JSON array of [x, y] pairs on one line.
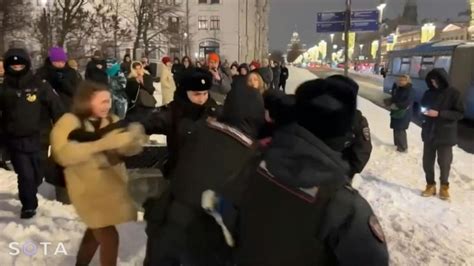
[[341, 21]]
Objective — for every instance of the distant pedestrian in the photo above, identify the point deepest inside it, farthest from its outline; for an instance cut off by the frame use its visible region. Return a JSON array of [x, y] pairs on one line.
[[96, 69], [221, 82], [126, 64], [285, 74], [254, 65], [266, 73], [442, 107], [276, 74], [401, 113], [168, 86], [140, 92]]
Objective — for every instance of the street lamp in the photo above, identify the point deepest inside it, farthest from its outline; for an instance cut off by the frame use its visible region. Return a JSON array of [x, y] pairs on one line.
[[380, 7], [332, 37], [334, 47]]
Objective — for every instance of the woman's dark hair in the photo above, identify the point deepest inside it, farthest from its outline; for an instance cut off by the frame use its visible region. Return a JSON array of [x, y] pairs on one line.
[[187, 58], [81, 105]]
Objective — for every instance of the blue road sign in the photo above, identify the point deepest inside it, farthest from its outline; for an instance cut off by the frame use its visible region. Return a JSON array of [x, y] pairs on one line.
[[331, 16], [390, 38], [358, 26], [365, 15], [330, 27], [361, 20]]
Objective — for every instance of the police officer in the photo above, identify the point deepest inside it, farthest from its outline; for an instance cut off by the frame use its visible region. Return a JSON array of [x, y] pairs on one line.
[[358, 145], [299, 208], [22, 100]]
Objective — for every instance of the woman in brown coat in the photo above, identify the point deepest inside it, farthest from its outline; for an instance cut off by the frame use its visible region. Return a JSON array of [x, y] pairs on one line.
[[96, 178]]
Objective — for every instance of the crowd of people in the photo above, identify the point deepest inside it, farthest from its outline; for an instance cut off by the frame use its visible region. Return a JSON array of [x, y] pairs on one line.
[[241, 153]]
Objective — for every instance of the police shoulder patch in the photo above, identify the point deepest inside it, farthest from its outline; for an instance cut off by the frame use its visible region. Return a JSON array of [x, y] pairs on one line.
[[366, 132], [376, 228]]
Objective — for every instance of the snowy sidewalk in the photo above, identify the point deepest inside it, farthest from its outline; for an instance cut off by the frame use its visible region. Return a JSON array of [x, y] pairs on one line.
[[419, 231]]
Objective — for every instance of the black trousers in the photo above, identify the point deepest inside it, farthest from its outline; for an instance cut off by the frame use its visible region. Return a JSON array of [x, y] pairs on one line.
[[283, 85], [400, 139], [28, 168], [445, 158]]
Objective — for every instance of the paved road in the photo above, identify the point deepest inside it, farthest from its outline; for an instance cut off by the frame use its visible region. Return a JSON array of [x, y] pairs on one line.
[[372, 91]]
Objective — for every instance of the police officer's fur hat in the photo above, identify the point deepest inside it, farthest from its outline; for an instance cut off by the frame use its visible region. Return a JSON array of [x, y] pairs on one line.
[[196, 80], [325, 107], [16, 56]]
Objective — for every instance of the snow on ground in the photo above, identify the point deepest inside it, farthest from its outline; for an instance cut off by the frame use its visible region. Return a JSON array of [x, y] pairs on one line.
[[419, 231]]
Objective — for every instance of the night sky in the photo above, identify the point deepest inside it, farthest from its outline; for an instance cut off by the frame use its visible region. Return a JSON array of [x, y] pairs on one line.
[[303, 14]]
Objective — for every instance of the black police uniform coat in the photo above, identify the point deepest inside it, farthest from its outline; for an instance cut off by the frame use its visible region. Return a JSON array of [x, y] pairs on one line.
[[441, 130], [23, 101], [299, 210], [211, 158], [358, 152], [177, 120]]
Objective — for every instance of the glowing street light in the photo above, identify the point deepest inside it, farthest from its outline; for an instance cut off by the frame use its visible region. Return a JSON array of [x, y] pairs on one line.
[[332, 37]]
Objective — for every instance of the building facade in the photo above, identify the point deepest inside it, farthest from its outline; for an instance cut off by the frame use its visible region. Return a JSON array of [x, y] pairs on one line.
[[236, 29]]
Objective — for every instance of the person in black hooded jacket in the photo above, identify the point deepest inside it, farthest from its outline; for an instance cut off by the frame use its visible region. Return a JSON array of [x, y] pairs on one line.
[[213, 156], [298, 207], [96, 69], [23, 98], [442, 108]]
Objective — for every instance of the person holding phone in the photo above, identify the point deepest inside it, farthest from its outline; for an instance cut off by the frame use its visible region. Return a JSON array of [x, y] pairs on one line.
[[444, 108]]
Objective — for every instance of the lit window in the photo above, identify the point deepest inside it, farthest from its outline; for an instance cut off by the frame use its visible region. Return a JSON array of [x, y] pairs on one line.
[[215, 23], [415, 66], [203, 23]]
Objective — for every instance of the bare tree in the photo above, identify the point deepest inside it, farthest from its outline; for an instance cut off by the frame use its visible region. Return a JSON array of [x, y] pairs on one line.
[[152, 19], [67, 21], [12, 19], [110, 26]]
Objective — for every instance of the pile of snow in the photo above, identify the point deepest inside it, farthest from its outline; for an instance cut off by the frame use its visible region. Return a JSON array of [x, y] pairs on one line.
[[419, 231]]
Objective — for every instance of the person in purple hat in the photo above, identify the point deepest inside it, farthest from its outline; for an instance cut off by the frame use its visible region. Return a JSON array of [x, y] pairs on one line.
[[59, 75], [64, 81]]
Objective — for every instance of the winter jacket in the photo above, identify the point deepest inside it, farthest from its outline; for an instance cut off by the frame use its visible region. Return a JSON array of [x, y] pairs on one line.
[[285, 74], [177, 120], [95, 73], [276, 77], [357, 151], [297, 209], [64, 81], [402, 107], [168, 86], [132, 88], [220, 88], [267, 75], [441, 130], [96, 178], [239, 81], [25, 101], [229, 140]]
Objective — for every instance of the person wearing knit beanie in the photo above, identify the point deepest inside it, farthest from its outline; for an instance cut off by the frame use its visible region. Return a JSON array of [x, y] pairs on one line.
[[57, 54], [254, 65]]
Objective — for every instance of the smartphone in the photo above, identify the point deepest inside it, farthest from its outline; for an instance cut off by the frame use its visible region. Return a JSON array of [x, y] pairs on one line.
[[424, 109]]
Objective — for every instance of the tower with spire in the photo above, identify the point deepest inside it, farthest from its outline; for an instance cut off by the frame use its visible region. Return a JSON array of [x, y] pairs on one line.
[[410, 13]]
